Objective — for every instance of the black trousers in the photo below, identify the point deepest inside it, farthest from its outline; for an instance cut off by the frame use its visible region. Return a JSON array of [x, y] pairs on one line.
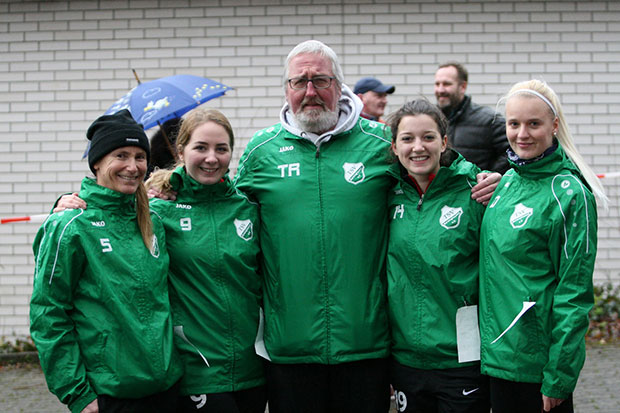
[[164, 402], [457, 390], [515, 397], [251, 400], [360, 386]]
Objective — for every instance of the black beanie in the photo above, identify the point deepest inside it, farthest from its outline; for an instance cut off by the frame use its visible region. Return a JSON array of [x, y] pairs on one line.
[[110, 132]]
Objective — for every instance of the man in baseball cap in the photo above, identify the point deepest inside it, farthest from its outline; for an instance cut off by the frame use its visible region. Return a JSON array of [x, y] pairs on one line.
[[374, 96]]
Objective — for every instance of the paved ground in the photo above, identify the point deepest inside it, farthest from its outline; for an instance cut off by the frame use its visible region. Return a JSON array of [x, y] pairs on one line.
[[23, 388]]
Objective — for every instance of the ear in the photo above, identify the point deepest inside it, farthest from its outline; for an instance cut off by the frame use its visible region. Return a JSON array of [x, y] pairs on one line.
[[444, 143], [394, 148], [463, 86], [556, 125]]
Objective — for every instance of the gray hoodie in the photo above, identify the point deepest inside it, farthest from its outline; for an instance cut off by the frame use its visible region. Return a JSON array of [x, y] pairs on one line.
[[350, 107]]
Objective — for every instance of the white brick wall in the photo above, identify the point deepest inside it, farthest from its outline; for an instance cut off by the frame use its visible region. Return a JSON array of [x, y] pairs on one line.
[[63, 63]]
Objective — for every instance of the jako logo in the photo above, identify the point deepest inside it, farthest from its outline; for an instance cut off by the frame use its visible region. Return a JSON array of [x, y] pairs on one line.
[[520, 216], [184, 206], [98, 223], [286, 148]]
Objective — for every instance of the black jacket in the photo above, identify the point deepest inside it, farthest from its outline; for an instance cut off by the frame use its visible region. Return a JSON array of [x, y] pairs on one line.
[[479, 134]]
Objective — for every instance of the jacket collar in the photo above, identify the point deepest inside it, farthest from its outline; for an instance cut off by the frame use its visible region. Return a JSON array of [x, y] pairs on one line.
[[516, 160], [454, 165], [186, 186], [105, 198], [549, 164]]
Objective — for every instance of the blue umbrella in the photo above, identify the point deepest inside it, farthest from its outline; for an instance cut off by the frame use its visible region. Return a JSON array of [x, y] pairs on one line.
[[152, 103]]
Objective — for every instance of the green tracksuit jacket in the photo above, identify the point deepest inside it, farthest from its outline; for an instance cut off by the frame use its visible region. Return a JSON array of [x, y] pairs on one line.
[[537, 251], [99, 313], [432, 264], [324, 240], [212, 239]]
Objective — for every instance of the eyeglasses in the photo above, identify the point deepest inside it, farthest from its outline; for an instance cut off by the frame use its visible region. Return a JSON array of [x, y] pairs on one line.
[[319, 82]]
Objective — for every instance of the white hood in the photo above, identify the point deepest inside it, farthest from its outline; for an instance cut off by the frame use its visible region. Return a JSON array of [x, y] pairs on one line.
[[350, 107]]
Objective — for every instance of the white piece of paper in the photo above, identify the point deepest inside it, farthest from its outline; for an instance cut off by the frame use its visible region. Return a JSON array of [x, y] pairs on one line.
[[526, 306], [259, 343], [178, 330], [467, 334]]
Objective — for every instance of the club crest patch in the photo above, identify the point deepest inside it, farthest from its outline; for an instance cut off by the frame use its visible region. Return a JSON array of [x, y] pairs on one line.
[[354, 172], [520, 216], [245, 229], [450, 217]]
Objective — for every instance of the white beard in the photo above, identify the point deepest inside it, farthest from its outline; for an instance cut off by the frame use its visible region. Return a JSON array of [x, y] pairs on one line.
[[316, 121]]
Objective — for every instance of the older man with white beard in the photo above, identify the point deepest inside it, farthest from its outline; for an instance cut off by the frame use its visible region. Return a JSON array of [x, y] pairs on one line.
[[319, 177]]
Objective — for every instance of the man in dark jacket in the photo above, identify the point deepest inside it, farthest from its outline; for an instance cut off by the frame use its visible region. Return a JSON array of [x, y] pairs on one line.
[[477, 132]]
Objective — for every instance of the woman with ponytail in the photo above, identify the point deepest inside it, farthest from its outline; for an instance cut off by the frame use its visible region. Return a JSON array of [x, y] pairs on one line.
[[537, 252], [100, 313]]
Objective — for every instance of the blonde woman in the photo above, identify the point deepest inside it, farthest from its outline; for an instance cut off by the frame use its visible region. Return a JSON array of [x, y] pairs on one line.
[[537, 252]]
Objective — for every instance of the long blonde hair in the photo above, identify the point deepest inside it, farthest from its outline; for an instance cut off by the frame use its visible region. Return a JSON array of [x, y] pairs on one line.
[[143, 214], [160, 179], [564, 135]]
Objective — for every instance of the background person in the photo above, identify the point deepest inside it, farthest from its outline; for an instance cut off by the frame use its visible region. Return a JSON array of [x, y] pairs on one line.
[[163, 144], [537, 251], [373, 94], [433, 283], [475, 131], [99, 313]]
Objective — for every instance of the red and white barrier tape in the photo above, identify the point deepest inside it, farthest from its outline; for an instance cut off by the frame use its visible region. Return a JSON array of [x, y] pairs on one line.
[[31, 218], [609, 175]]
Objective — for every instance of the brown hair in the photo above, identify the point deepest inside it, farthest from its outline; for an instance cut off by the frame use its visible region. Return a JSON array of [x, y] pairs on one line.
[[420, 106], [197, 117], [160, 179], [461, 72]]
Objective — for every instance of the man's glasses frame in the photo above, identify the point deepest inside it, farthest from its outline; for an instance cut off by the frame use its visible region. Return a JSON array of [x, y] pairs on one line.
[[319, 82]]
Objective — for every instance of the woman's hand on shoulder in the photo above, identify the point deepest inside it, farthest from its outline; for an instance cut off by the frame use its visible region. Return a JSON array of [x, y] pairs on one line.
[[92, 407], [70, 201], [483, 190]]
